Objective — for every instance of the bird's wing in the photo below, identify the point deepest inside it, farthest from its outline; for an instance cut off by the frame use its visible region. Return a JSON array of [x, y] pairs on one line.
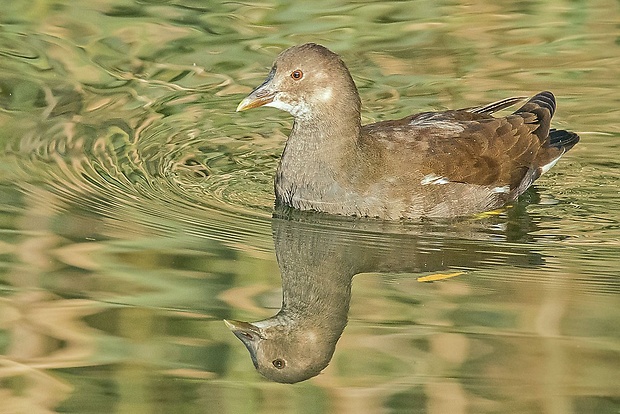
[[464, 146], [487, 151]]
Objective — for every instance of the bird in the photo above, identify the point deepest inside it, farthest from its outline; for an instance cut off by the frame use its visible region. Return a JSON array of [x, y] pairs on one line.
[[446, 164]]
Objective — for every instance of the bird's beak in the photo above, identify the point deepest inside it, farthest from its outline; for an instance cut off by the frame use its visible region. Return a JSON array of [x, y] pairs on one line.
[[244, 330], [262, 95], [248, 334]]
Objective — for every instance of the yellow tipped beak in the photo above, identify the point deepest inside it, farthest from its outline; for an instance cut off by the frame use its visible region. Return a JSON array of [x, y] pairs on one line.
[[248, 334], [242, 327], [254, 100], [262, 95]]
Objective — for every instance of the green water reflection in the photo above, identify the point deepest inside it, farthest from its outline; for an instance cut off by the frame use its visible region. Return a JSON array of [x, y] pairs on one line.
[[135, 212]]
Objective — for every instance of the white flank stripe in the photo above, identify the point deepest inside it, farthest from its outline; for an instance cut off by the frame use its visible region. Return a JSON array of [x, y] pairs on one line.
[[434, 179]]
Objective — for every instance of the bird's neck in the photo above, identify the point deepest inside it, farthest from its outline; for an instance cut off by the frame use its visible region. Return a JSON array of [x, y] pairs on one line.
[[313, 304], [319, 152], [329, 133], [316, 280], [317, 295]]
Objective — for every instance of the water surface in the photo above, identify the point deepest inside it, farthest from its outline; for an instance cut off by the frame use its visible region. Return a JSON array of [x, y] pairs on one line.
[[136, 213]]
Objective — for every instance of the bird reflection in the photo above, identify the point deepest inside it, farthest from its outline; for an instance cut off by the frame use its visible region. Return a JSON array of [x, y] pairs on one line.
[[318, 260]]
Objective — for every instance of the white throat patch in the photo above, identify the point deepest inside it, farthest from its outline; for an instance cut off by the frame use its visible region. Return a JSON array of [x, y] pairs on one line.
[[298, 110]]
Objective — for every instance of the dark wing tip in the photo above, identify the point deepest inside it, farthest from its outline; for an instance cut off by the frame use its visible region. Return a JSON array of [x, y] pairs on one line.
[[544, 99], [542, 105], [493, 107]]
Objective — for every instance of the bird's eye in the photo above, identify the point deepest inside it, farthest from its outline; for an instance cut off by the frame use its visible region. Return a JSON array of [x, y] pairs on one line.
[[297, 74], [278, 363]]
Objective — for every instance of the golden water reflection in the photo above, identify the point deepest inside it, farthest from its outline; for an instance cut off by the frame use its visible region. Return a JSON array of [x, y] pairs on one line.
[[131, 326], [135, 212]]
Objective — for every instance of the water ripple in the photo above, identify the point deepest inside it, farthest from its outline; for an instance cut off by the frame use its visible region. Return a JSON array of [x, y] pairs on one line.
[[159, 175]]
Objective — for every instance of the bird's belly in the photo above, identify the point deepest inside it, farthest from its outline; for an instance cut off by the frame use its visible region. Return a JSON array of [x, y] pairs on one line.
[[386, 200]]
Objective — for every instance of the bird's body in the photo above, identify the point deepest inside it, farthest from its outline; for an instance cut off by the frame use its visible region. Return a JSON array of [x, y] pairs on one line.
[[433, 164]]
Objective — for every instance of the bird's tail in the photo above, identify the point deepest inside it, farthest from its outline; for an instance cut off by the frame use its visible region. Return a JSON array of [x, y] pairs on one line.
[[559, 138]]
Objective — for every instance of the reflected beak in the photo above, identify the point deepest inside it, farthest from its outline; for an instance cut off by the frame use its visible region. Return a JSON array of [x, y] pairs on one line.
[[248, 334], [244, 330], [262, 95]]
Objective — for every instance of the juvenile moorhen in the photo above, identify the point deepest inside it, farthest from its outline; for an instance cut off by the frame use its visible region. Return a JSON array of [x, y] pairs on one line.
[[432, 164]]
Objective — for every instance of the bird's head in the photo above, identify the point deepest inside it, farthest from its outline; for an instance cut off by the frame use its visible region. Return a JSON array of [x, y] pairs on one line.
[[283, 353], [306, 81]]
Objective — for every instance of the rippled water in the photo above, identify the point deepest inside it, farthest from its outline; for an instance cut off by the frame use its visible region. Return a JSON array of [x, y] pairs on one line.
[[136, 213]]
